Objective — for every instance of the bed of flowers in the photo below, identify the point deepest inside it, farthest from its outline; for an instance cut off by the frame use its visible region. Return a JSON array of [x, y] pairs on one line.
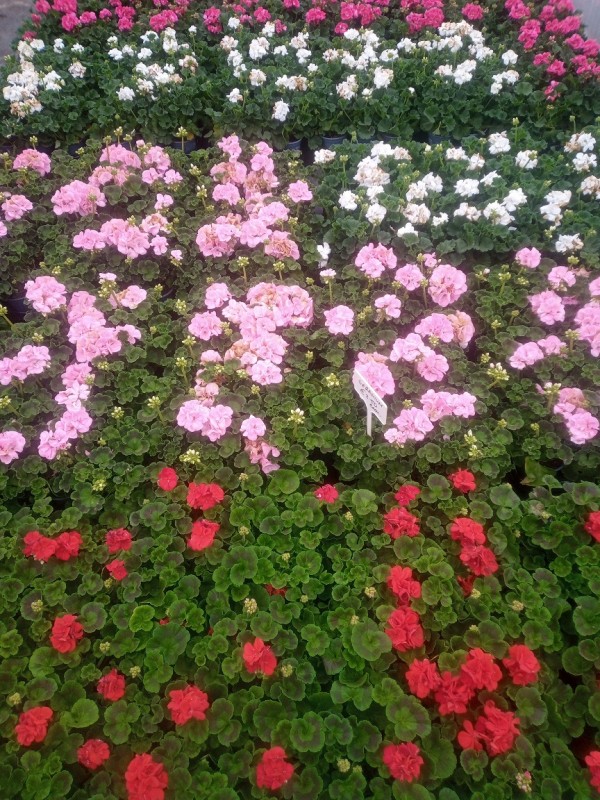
[[222, 578], [287, 71]]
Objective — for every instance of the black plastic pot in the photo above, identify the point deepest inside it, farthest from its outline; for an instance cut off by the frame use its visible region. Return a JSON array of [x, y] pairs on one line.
[[17, 307], [73, 148], [188, 146], [332, 141]]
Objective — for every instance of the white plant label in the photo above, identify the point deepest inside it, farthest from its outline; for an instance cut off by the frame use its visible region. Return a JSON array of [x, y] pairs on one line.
[[370, 398]]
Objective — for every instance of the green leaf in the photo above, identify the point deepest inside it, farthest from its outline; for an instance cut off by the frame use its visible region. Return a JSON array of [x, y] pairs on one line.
[[84, 713], [284, 481], [369, 642], [307, 733]]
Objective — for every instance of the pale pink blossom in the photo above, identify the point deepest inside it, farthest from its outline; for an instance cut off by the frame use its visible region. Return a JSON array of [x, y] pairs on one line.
[[265, 373], [253, 428], [548, 307], [15, 207], [433, 367], [389, 305], [339, 320], [373, 369], [528, 257], [299, 192], [217, 294], [204, 326], [436, 325], [12, 444], [582, 426], [33, 159], [373, 260], [446, 285], [410, 276], [526, 355], [45, 294], [561, 277]]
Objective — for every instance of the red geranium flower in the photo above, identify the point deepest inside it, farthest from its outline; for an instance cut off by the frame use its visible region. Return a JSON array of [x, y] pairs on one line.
[[67, 545], [466, 584], [258, 657], [402, 584], [406, 494], [167, 479], [66, 632], [118, 539], [38, 546], [453, 694], [479, 559], [423, 677], [592, 525], [203, 534], [112, 686], [404, 629], [498, 729], [33, 725], [467, 531], [93, 753], [186, 704], [204, 495], [404, 761], [463, 481], [469, 738], [117, 569], [592, 761], [273, 770], [145, 778], [400, 522], [522, 665], [327, 493], [480, 671], [273, 591]]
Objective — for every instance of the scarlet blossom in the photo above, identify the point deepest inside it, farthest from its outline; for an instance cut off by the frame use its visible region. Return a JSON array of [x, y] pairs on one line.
[[522, 665], [32, 726], [463, 480], [203, 534], [406, 494], [67, 545], [38, 546], [327, 493], [423, 677], [117, 569], [118, 539], [145, 778], [592, 525], [467, 531], [93, 753], [403, 585], [498, 729], [167, 479], [479, 559], [404, 629], [164, 621], [404, 761], [466, 584], [258, 657], [112, 686], [204, 495], [592, 761], [453, 694], [469, 738], [272, 771], [186, 704], [66, 632], [480, 671], [400, 522], [273, 591]]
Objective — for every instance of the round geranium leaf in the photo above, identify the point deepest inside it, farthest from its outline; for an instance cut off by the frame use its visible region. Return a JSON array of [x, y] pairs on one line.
[[369, 642], [307, 733]]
